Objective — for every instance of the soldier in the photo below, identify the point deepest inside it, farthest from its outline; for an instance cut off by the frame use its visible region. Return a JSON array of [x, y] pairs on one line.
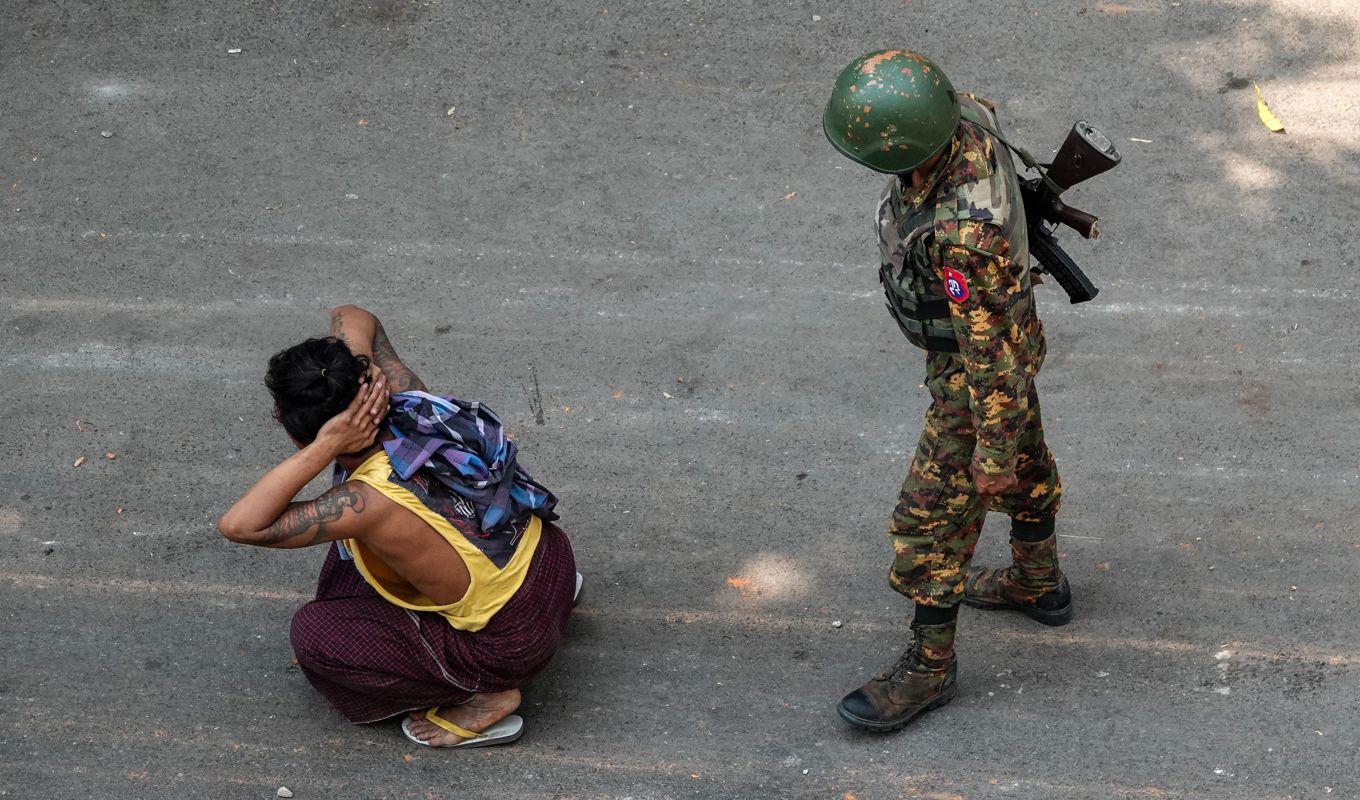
[[954, 245]]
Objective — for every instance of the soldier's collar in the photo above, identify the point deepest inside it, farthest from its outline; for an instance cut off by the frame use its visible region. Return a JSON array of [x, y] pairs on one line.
[[912, 198]]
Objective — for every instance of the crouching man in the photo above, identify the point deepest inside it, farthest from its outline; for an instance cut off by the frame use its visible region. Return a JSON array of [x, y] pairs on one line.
[[447, 586]]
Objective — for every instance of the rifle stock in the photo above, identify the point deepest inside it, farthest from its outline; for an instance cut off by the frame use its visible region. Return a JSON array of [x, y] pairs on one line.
[[1085, 154]]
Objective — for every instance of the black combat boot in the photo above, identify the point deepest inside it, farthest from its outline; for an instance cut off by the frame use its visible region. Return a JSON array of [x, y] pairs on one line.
[[923, 678], [1033, 584]]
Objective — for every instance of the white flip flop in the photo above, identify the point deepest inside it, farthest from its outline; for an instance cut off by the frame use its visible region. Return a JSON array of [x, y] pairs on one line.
[[576, 595], [503, 732]]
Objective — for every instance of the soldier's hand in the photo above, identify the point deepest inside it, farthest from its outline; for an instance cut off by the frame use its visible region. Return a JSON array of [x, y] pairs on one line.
[[993, 485]]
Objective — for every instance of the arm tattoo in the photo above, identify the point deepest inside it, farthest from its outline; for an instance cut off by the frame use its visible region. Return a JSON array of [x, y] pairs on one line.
[[398, 374], [338, 326], [302, 517]]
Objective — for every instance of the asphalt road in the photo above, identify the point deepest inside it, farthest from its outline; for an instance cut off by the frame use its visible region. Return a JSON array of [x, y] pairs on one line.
[[618, 224]]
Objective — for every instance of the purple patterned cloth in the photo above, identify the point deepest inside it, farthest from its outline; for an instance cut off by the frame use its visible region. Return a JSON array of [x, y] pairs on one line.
[[372, 659], [464, 446]]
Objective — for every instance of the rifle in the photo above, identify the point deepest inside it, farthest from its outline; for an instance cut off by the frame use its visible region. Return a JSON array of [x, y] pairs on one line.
[[1085, 154]]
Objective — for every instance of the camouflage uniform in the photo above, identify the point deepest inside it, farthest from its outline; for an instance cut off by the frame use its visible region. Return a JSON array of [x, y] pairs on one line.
[[960, 241]]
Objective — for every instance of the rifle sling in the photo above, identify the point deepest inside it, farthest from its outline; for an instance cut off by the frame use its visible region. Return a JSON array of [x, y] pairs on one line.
[[971, 114]]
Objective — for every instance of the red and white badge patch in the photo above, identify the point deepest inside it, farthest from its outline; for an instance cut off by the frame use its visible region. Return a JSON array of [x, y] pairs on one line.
[[955, 285]]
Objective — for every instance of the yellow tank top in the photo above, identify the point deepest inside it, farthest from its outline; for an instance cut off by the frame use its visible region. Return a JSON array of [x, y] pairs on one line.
[[491, 586]]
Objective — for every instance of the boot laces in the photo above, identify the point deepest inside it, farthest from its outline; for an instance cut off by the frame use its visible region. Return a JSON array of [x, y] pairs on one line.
[[907, 663], [911, 660]]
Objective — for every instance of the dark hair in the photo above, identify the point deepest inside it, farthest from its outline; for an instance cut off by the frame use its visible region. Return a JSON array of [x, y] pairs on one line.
[[312, 382]]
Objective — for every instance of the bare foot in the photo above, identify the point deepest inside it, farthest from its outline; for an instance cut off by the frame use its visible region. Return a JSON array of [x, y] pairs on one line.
[[477, 714]]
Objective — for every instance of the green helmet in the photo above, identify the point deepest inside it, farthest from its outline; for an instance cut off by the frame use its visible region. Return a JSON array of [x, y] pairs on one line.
[[891, 111]]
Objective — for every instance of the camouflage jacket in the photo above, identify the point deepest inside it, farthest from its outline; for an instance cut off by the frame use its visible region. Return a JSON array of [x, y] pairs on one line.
[[979, 255]]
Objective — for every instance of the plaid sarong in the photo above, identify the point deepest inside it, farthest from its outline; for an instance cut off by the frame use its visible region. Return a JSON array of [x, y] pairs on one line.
[[373, 660], [464, 446]]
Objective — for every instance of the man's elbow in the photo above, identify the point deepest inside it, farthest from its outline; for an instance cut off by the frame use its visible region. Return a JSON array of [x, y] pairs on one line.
[[233, 532], [350, 308]]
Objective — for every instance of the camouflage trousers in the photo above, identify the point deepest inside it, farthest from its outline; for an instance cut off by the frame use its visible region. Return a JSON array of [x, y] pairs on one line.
[[939, 515]]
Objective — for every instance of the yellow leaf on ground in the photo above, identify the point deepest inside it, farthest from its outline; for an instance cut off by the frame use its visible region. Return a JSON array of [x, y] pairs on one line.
[[1263, 111]]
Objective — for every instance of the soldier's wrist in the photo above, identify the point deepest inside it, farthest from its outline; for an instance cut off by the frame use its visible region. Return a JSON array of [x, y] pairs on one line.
[[994, 462]]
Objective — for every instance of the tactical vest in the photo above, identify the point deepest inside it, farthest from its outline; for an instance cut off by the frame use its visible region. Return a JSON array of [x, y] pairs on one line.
[[908, 243]]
